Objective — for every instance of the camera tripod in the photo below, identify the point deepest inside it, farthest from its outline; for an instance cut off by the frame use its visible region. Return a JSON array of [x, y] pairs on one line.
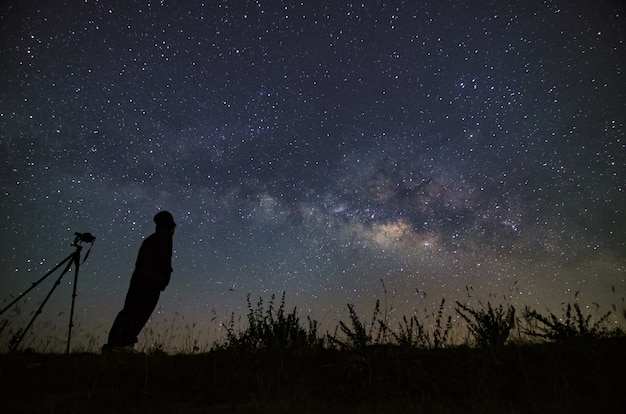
[[72, 260]]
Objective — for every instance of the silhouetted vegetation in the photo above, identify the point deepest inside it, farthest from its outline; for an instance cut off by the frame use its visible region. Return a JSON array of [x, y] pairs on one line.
[[359, 334], [413, 332], [271, 329], [490, 326], [269, 326], [573, 325], [278, 363]]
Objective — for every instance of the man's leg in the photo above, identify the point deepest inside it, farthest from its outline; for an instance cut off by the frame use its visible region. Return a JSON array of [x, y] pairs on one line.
[[116, 334], [143, 308], [138, 306]]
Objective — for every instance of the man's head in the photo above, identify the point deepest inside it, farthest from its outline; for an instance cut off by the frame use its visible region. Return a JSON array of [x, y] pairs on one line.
[[164, 220]]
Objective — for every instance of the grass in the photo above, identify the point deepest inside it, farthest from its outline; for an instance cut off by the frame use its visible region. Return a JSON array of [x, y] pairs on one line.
[[278, 363]]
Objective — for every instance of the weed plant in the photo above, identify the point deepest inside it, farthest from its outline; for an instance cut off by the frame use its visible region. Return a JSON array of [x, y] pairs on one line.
[[413, 333], [490, 326], [272, 329], [573, 325], [359, 334]]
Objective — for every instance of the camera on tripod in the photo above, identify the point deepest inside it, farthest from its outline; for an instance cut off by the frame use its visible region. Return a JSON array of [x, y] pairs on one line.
[[73, 260], [83, 238]]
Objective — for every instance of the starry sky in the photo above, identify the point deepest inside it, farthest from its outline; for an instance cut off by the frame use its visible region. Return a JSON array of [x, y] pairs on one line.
[[331, 150]]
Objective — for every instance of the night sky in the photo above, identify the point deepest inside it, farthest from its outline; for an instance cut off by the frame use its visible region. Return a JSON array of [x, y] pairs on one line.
[[320, 148]]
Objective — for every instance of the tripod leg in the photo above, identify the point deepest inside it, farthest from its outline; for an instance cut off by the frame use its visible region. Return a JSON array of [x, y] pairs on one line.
[[76, 261], [15, 344], [36, 283]]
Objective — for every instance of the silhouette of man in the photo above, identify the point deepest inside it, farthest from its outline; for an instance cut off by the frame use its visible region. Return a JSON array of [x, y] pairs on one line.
[[150, 277]]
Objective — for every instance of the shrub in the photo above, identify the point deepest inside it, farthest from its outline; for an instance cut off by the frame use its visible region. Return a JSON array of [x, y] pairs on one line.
[[490, 326], [573, 325], [413, 334], [358, 336], [272, 329]]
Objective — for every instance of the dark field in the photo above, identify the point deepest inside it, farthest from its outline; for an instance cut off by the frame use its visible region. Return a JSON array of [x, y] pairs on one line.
[[580, 377]]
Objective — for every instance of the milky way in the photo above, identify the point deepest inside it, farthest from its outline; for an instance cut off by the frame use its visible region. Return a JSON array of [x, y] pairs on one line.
[[334, 151]]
